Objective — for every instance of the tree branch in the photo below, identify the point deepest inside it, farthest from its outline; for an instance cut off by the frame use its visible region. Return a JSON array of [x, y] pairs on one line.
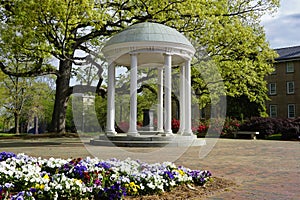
[[36, 71]]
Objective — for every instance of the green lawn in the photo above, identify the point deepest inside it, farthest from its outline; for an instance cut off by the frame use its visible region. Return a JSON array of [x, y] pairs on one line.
[[6, 134], [274, 137]]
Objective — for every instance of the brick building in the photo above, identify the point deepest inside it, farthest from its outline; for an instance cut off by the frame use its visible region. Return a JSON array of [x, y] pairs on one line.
[[284, 84]]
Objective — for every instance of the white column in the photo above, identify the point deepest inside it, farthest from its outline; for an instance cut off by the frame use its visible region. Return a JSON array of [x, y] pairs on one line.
[[133, 96], [182, 99], [188, 109], [160, 111], [110, 120], [168, 95]]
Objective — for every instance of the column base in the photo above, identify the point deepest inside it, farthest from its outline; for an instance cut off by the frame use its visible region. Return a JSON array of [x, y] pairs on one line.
[[180, 132], [187, 133], [161, 131], [110, 133], [133, 134], [167, 133]]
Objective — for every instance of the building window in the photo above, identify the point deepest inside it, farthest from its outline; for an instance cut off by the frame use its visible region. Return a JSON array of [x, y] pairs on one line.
[[272, 88], [290, 89], [291, 110], [273, 110], [289, 67]]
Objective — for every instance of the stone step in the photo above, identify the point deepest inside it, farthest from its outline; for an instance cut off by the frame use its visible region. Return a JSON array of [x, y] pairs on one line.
[[141, 141], [137, 138]]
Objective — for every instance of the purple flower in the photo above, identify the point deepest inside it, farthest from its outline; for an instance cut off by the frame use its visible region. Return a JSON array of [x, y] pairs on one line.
[[104, 165], [33, 190], [79, 170], [4, 155], [199, 177], [19, 196], [169, 174], [97, 182], [8, 185], [116, 191]]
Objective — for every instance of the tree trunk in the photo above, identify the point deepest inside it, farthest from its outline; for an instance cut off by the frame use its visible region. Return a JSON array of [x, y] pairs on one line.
[[61, 97], [17, 120], [36, 125]]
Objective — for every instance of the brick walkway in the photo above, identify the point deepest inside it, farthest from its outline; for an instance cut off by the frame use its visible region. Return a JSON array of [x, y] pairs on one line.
[[262, 169]]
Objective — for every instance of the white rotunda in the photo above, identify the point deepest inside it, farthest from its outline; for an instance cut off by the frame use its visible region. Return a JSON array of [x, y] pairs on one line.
[[151, 45]]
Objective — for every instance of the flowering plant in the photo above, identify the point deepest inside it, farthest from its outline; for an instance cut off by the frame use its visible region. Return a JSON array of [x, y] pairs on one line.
[[175, 125], [25, 177]]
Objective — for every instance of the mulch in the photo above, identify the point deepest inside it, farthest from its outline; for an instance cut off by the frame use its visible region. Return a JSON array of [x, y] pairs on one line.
[[191, 192]]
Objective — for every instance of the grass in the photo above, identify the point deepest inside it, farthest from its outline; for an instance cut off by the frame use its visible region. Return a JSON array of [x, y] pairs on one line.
[[274, 137], [6, 134], [25, 135]]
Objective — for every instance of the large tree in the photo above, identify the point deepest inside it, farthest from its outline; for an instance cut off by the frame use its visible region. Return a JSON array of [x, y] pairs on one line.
[[56, 28]]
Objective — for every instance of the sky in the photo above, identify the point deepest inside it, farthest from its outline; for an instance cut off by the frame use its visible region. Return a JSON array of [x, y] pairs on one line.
[[283, 27]]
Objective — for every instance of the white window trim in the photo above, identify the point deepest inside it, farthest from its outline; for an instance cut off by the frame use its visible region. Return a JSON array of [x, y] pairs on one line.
[[275, 107], [289, 111], [288, 87], [270, 89], [290, 67]]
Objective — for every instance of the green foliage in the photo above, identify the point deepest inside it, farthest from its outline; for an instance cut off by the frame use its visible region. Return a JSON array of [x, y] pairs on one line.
[[146, 100], [101, 111], [40, 103], [228, 31], [26, 98], [237, 49], [70, 126], [242, 108]]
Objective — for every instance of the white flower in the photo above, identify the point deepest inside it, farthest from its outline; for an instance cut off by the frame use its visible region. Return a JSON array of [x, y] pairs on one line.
[[47, 188], [34, 172], [142, 186], [150, 185]]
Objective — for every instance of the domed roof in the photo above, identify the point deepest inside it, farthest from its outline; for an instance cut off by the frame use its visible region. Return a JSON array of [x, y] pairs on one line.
[[148, 31], [151, 41]]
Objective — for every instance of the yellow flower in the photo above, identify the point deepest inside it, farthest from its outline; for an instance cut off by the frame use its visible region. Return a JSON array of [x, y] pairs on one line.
[[78, 181], [132, 188], [42, 186], [181, 172], [132, 184], [46, 176], [38, 186]]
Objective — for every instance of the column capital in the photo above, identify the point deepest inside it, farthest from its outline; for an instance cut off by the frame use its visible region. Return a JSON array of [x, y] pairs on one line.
[[168, 54], [112, 63], [133, 53]]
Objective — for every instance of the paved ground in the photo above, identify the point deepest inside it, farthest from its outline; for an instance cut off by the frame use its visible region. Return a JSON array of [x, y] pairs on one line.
[[262, 169]]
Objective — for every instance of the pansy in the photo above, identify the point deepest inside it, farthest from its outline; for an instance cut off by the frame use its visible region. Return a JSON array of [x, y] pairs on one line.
[[25, 177]]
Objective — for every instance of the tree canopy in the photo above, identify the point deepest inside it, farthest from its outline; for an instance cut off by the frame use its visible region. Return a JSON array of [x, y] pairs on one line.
[[227, 30]]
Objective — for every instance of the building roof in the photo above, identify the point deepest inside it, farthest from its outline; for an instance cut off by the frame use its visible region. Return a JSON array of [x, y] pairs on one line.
[[288, 53], [148, 31]]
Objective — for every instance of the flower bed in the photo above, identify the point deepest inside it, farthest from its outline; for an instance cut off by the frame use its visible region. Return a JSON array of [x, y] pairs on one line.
[[25, 177]]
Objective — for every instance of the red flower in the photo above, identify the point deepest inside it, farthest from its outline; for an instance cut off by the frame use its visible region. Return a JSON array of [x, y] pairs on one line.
[[175, 123]]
